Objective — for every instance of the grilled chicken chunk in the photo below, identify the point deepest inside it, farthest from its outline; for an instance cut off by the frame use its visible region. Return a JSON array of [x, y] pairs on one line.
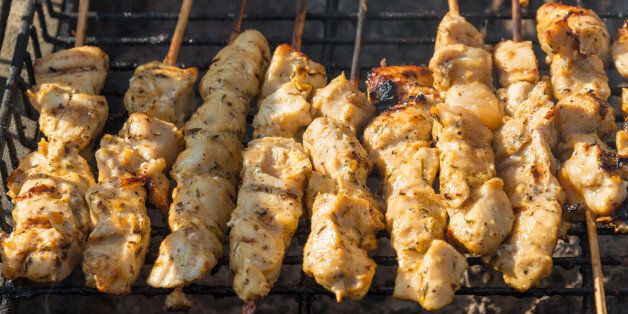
[[619, 50], [267, 212], [48, 188], [67, 115], [118, 244], [477, 100], [162, 91], [589, 174], [515, 62], [569, 32], [207, 170], [83, 69], [391, 85], [236, 67], [287, 65], [579, 75], [289, 84], [344, 103], [479, 210], [523, 147], [454, 29], [398, 142], [344, 221], [517, 70], [51, 215], [460, 64]]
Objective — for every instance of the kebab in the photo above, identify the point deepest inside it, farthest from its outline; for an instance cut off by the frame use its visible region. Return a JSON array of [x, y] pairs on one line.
[[399, 142], [619, 52], [274, 170], [48, 187], [584, 119], [344, 215], [132, 163], [480, 213], [577, 43], [206, 171]]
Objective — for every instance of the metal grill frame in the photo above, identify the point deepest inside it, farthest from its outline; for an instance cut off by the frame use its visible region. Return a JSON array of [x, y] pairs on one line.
[[15, 108]]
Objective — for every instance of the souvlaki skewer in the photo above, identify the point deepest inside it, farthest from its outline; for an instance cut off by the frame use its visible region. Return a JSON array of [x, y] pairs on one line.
[[48, 188], [399, 141], [274, 170], [480, 213], [577, 43], [132, 168], [523, 147], [207, 170], [344, 215]]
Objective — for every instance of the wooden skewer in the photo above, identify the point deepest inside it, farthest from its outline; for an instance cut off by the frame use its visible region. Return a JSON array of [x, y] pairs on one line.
[[596, 265], [81, 23], [299, 23], [237, 24], [453, 6], [179, 31], [516, 21], [357, 48], [599, 295]]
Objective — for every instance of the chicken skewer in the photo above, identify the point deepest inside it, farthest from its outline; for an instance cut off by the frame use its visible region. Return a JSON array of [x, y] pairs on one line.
[[399, 143], [480, 212], [524, 160], [132, 168], [344, 215], [207, 170], [48, 188], [577, 43], [274, 171]]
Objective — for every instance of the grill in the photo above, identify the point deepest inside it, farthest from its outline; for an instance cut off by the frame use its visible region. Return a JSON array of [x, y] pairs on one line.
[[401, 31]]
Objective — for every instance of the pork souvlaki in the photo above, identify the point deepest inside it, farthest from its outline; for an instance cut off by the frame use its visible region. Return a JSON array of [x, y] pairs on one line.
[[344, 215], [48, 188], [274, 173], [207, 170], [480, 213], [399, 143]]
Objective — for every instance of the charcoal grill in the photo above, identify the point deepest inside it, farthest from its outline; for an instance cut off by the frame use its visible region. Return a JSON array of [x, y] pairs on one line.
[[401, 31]]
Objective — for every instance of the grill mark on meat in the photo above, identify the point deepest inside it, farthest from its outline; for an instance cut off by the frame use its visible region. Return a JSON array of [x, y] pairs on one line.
[[37, 190]]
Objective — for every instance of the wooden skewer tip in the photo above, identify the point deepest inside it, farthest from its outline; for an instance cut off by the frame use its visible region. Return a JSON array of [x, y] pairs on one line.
[[179, 31]]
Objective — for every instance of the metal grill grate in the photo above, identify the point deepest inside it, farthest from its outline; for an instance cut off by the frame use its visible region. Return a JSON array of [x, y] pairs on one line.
[[328, 38]]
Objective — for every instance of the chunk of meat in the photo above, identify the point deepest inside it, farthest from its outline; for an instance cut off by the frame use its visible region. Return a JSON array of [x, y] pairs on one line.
[[619, 50], [69, 116], [460, 64], [454, 29], [579, 76], [569, 31], [162, 91], [50, 214], [287, 65], [515, 62], [83, 69], [267, 212], [343, 102]]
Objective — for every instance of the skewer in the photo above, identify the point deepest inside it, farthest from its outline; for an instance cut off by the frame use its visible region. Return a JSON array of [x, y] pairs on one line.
[[237, 24], [453, 6], [598, 277], [516, 21], [357, 48], [81, 23], [599, 294], [299, 23], [177, 37]]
